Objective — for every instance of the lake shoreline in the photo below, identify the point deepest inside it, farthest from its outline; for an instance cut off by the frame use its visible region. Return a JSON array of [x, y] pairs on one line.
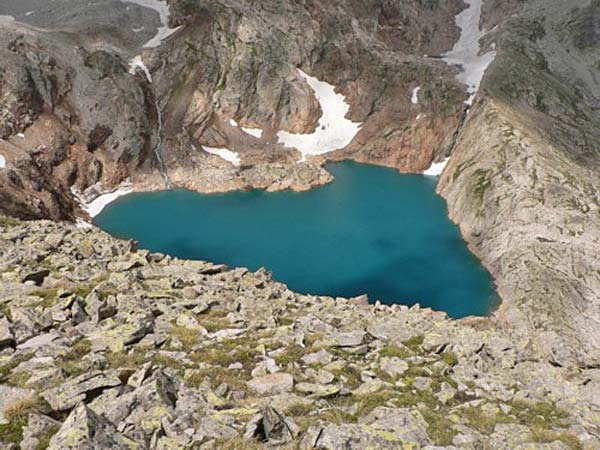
[[345, 202]]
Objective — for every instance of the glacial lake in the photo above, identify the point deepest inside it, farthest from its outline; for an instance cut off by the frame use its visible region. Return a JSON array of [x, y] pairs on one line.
[[372, 231]]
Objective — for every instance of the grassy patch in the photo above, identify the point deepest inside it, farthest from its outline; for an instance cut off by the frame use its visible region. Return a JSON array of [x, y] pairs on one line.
[[292, 353], [449, 358], [17, 415], [167, 361], [349, 374], [187, 336], [214, 320], [540, 414], [414, 344], [121, 359], [7, 368], [393, 351], [570, 440], [18, 379], [217, 376], [81, 348], [9, 222], [299, 409], [71, 368], [439, 428], [482, 422], [48, 296], [46, 436], [227, 352]]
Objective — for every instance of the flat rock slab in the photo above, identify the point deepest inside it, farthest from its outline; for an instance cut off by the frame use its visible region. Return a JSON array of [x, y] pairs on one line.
[[276, 383], [318, 390], [349, 339], [67, 395]]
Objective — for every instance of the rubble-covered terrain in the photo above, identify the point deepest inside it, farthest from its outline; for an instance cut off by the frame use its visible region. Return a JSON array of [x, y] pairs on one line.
[[106, 346]]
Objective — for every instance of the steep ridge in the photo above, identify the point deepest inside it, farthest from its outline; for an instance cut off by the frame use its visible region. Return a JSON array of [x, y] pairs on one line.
[[522, 181]]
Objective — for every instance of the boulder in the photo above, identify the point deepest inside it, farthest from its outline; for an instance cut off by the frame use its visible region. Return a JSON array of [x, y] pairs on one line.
[[68, 394], [276, 383], [86, 430]]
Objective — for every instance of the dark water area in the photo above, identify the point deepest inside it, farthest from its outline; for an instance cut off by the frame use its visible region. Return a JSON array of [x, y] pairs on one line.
[[372, 231]]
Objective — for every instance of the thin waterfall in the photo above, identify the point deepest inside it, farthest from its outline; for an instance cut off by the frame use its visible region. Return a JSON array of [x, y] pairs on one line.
[[135, 64], [159, 132]]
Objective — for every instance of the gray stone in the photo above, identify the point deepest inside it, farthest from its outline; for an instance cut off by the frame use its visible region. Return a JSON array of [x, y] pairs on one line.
[[321, 357], [318, 390], [38, 428], [393, 366], [85, 430], [73, 391], [272, 384], [6, 336], [348, 339]]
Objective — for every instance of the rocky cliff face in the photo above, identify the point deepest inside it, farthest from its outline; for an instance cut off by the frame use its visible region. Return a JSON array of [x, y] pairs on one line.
[[522, 181], [230, 66], [105, 346]]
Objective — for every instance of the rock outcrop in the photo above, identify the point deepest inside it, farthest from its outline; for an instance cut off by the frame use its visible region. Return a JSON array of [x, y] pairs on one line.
[[125, 348]]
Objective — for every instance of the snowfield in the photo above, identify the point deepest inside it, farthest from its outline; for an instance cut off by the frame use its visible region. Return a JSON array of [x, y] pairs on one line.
[[137, 62], [2, 162], [466, 50], [415, 95], [333, 132], [256, 132], [96, 206], [224, 153], [466, 54], [162, 9], [436, 168]]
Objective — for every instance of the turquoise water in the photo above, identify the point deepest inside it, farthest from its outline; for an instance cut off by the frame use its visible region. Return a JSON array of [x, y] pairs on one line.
[[372, 231]]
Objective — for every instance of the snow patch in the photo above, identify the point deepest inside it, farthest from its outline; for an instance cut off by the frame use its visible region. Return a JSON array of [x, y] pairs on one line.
[[163, 11], [233, 123], [466, 50], [415, 95], [80, 223], [21, 135], [29, 13], [95, 207], [138, 62], [256, 132], [333, 132], [436, 168], [2, 162], [6, 18], [224, 153]]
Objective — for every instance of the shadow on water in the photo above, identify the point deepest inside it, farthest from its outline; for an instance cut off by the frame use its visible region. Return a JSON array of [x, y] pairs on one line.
[[372, 231]]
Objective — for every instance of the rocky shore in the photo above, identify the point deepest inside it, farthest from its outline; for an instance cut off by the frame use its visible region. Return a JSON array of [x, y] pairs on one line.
[[107, 346]]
